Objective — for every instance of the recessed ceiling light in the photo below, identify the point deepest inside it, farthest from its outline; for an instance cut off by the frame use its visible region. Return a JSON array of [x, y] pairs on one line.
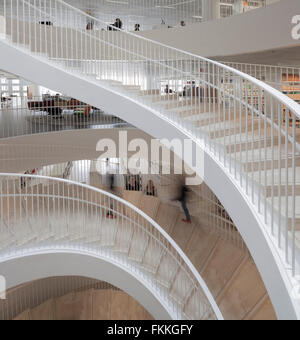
[[168, 7], [118, 2]]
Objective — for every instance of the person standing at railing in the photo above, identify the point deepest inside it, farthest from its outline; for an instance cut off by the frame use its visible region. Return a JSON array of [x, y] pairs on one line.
[[118, 23], [137, 27], [90, 22], [90, 25], [168, 90], [150, 189]]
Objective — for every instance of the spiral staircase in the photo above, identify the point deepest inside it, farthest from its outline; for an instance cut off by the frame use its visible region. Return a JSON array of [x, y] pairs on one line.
[[246, 129], [70, 298], [39, 214], [87, 305]]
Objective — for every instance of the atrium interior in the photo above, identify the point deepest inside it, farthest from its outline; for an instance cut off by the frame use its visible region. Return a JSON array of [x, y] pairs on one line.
[[149, 160]]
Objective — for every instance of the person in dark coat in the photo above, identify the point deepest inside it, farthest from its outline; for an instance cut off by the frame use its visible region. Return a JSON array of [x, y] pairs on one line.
[[118, 23], [182, 198]]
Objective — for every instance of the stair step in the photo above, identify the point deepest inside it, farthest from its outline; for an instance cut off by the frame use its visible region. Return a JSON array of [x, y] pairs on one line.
[[290, 209], [256, 165], [260, 155], [266, 176], [167, 270], [228, 126], [282, 190]]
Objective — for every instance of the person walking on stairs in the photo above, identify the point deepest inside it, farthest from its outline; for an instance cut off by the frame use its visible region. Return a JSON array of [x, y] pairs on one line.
[[182, 198]]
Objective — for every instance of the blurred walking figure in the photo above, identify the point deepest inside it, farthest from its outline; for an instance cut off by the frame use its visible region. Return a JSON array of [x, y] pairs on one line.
[[112, 188], [182, 198], [137, 27]]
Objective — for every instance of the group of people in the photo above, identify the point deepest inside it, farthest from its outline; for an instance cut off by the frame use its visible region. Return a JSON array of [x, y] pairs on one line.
[[23, 180], [118, 24], [133, 183], [190, 89]]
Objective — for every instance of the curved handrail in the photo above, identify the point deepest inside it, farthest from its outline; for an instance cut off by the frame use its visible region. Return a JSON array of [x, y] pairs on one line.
[[284, 99], [19, 187], [46, 162], [32, 294]]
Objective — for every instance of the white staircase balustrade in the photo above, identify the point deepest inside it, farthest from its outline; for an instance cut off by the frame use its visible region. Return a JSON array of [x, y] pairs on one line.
[[32, 294], [285, 79], [203, 204], [23, 116], [44, 213]]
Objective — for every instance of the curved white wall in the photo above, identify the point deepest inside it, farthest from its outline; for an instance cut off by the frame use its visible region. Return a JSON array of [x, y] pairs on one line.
[[250, 226]]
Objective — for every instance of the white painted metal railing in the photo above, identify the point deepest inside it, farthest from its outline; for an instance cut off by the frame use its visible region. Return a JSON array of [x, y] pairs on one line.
[[32, 294], [246, 125], [202, 203], [285, 79], [153, 14], [40, 213], [22, 116]]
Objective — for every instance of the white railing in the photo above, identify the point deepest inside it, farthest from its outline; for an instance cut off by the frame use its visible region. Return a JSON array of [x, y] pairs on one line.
[[32, 294], [285, 79], [41, 213], [203, 205], [50, 161], [157, 14], [22, 116], [249, 127]]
